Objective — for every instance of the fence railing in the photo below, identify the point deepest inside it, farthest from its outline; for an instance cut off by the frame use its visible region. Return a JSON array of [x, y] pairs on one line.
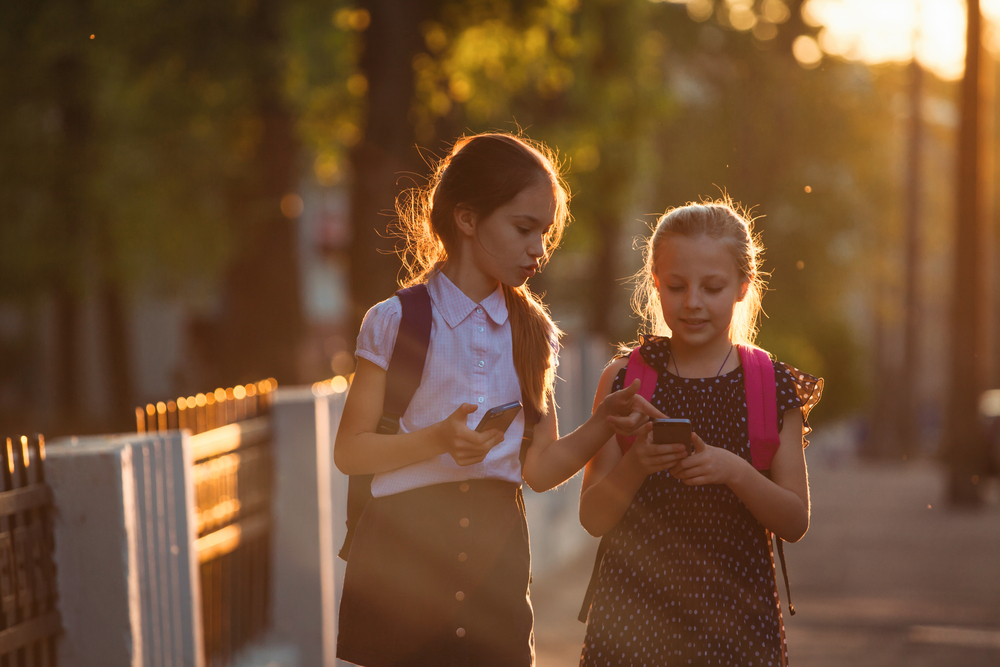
[[29, 619], [204, 412], [233, 482]]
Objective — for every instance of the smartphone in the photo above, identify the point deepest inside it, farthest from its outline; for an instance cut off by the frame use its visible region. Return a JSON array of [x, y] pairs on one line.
[[670, 431], [499, 417]]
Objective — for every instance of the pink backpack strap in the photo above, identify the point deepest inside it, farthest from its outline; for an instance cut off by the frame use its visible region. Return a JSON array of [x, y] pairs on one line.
[[637, 369], [762, 405]]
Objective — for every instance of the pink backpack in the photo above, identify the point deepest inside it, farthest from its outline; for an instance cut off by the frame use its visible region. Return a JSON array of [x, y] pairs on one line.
[[762, 424]]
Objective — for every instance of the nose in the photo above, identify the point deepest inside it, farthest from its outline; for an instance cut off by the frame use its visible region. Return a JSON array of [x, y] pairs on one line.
[[692, 299], [537, 248]]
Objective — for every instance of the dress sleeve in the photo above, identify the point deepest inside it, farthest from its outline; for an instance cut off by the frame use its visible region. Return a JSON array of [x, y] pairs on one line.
[[619, 380], [796, 389], [378, 332]]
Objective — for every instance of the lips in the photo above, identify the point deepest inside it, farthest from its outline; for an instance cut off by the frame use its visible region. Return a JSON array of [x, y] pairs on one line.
[[529, 270]]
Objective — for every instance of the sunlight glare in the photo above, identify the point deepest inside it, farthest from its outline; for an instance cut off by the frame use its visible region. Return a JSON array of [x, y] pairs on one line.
[[895, 30]]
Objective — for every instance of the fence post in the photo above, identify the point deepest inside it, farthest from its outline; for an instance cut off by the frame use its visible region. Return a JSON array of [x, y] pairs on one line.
[[124, 552], [308, 516]]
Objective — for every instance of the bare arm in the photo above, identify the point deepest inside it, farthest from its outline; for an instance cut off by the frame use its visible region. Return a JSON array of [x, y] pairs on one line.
[[781, 503], [552, 460], [359, 450], [612, 479]]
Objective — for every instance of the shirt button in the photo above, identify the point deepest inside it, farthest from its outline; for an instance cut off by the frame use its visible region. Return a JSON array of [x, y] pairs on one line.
[[460, 596], [463, 487], [462, 557], [464, 523], [460, 632], [479, 310], [481, 363], [480, 330], [481, 399]]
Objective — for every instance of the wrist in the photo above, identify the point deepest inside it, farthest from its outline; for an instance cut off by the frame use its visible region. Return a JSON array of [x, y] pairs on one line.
[[438, 437], [633, 467], [599, 419], [738, 472]]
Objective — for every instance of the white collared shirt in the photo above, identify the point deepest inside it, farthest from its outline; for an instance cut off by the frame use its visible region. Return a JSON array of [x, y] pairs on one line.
[[469, 360]]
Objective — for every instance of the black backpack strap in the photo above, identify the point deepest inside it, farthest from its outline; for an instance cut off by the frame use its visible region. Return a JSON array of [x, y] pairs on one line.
[[777, 544], [784, 573], [406, 366]]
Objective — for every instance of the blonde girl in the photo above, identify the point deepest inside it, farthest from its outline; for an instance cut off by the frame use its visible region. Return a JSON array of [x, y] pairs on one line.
[[688, 577]]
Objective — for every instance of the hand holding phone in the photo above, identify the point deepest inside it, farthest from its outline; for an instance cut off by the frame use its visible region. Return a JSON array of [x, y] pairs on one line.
[[499, 417], [672, 431]]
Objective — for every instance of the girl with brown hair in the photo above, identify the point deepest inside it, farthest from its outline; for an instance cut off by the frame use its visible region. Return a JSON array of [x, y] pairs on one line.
[[439, 565]]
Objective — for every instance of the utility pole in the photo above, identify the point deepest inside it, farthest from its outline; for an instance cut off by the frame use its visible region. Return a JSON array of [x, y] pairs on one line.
[[969, 314]]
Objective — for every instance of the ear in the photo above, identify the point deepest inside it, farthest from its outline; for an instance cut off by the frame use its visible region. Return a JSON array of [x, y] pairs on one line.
[[465, 220], [744, 288]]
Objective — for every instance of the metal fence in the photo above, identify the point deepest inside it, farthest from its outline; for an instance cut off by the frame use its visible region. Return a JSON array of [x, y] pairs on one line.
[[233, 481], [29, 618]]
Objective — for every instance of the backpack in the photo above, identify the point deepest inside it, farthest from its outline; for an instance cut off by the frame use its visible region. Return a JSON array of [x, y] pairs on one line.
[[406, 366], [762, 424]]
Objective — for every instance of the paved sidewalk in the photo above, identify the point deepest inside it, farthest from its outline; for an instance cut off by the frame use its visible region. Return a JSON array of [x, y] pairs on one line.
[[887, 576]]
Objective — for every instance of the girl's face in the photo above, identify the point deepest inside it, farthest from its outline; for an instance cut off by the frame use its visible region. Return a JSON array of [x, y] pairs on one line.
[[510, 241], [699, 285]]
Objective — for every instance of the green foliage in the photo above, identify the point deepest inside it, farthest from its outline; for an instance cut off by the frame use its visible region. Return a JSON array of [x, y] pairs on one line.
[[651, 104]]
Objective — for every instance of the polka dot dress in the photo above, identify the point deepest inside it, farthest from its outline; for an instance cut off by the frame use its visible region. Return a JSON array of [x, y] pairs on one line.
[[688, 577]]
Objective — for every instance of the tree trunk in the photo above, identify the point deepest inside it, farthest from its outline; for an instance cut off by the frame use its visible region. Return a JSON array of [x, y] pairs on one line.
[[263, 326], [968, 317], [909, 434], [386, 156], [69, 192]]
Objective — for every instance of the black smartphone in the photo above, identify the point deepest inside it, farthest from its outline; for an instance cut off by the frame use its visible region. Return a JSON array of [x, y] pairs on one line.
[[670, 431], [499, 417]]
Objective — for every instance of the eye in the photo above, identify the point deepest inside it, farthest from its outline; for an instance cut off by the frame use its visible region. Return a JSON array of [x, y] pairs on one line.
[[713, 290], [675, 288], [524, 231]]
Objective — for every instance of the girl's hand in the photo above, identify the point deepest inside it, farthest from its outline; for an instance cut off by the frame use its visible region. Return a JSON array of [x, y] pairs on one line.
[[627, 412], [466, 446], [648, 457], [708, 465]]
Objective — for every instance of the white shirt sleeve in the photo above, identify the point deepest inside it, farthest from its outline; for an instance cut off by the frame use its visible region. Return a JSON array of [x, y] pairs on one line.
[[378, 332]]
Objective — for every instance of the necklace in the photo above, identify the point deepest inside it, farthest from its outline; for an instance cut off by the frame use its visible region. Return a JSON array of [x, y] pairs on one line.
[[673, 358]]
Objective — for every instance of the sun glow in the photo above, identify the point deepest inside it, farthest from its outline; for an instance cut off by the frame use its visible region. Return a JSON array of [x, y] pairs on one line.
[[879, 31]]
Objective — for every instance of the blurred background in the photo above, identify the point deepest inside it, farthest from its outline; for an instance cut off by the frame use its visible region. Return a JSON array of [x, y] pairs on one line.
[[201, 194]]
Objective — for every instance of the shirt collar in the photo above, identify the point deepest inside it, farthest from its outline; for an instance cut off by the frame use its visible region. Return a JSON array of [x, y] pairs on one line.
[[455, 306]]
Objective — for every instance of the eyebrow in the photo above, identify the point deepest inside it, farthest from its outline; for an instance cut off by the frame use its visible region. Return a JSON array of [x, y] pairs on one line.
[[710, 276]]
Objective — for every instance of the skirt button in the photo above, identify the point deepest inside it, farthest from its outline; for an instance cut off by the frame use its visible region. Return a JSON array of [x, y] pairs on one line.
[[460, 632], [464, 523]]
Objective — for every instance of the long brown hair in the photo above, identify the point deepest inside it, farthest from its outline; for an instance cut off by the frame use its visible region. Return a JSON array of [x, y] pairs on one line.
[[482, 173], [722, 220]]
